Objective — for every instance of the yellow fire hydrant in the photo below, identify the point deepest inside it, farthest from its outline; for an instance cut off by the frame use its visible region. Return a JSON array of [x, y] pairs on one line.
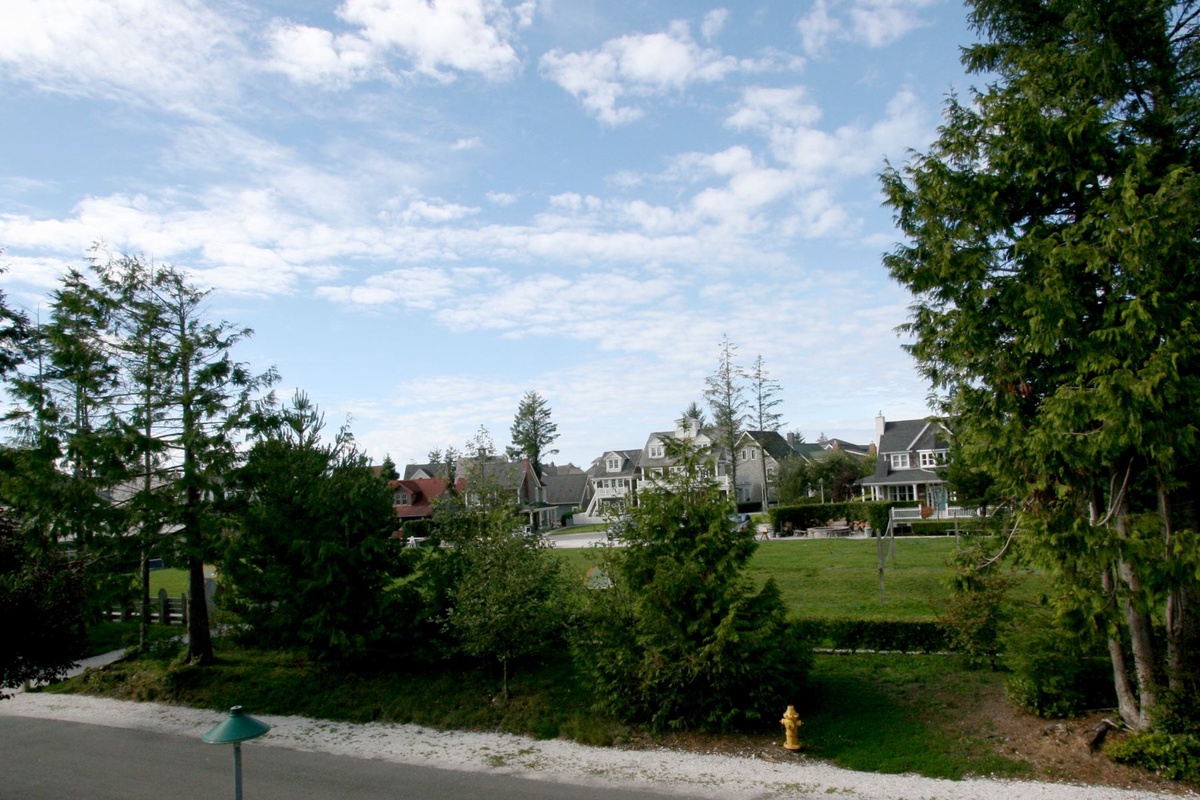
[[791, 727]]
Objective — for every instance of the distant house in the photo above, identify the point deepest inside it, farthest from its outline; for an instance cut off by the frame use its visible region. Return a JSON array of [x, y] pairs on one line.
[[613, 480], [516, 482], [414, 499], [566, 488], [759, 454], [912, 456]]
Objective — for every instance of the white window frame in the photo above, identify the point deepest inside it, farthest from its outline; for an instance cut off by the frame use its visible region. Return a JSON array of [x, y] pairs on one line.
[[934, 458], [900, 460], [902, 494], [613, 465], [656, 451]]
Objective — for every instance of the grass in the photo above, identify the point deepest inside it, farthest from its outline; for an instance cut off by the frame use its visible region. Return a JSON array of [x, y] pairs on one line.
[[883, 713], [840, 577], [896, 714]]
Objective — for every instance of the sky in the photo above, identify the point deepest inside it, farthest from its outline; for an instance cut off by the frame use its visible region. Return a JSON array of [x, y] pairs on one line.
[[427, 208]]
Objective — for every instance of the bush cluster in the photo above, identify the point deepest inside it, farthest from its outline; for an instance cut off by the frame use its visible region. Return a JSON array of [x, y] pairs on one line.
[[813, 515]]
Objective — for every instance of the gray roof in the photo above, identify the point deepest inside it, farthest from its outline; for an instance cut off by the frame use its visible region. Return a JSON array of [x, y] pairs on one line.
[[629, 464], [412, 471], [772, 442], [566, 489]]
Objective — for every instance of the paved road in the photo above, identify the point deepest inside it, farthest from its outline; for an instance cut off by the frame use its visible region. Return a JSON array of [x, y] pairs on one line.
[[52, 760]]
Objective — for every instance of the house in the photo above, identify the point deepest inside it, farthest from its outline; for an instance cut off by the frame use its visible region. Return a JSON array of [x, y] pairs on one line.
[[612, 479], [618, 475], [759, 454], [510, 481], [910, 466], [655, 466], [414, 499], [567, 489]]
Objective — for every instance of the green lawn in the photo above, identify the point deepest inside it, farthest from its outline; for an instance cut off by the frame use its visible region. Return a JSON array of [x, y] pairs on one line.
[[840, 577]]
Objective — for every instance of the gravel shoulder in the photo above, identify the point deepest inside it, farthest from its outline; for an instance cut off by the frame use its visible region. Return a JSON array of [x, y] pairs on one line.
[[666, 771]]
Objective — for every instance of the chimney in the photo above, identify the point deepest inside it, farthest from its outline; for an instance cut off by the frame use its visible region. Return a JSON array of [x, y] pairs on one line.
[[791, 439], [879, 425]]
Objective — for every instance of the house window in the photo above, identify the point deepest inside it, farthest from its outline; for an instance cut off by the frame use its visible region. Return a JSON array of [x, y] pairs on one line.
[[754, 455], [902, 494], [401, 498], [743, 455], [656, 451], [613, 464], [899, 460], [770, 473], [934, 458]]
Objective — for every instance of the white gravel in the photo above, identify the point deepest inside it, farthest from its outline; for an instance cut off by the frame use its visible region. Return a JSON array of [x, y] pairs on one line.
[[665, 771]]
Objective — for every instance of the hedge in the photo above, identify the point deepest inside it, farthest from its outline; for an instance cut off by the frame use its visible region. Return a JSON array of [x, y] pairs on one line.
[[892, 635]]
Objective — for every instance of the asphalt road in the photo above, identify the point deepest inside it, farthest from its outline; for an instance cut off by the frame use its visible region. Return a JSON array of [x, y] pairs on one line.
[[50, 760]]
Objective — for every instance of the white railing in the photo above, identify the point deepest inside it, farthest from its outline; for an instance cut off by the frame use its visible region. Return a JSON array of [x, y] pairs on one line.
[[950, 512]]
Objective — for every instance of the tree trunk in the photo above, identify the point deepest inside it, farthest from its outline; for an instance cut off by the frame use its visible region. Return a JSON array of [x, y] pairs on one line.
[[1127, 703], [1141, 640]]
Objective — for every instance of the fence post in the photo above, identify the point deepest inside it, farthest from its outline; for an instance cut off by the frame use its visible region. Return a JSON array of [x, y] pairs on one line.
[[164, 607], [183, 609]]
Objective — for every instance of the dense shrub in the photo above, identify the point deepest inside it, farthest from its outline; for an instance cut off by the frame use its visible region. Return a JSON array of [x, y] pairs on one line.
[[1172, 755], [1052, 673]]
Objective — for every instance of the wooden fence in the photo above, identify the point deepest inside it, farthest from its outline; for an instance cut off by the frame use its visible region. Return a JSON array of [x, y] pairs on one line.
[[164, 610]]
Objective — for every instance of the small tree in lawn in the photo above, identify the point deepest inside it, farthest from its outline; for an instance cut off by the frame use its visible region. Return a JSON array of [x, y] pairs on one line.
[[683, 638], [511, 598]]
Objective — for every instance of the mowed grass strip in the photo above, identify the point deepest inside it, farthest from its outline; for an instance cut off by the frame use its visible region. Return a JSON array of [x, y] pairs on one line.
[[826, 578]]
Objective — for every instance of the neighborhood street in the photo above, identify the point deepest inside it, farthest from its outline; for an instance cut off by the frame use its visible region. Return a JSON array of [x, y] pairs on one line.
[[51, 760]]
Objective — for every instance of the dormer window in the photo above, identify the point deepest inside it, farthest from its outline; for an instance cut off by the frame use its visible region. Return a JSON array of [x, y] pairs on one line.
[[402, 498], [900, 461], [613, 465], [656, 451]]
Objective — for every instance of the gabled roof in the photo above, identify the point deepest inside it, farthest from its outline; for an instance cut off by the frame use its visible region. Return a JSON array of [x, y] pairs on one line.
[[422, 491], [420, 471], [629, 464], [772, 442], [808, 450]]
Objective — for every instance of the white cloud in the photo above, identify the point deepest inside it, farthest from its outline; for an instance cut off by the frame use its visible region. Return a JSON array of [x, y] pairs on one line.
[[501, 198], [314, 56], [874, 23], [168, 53], [438, 39], [635, 66], [469, 143], [714, 23]]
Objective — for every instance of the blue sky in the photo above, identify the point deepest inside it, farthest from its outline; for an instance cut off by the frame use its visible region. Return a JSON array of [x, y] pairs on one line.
[[426, 209]]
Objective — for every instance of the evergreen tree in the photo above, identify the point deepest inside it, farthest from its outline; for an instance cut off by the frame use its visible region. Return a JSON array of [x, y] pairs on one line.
[[533, 431], [311, 561], [764, 399], [727, 400], [683, 638], [1052, 251]]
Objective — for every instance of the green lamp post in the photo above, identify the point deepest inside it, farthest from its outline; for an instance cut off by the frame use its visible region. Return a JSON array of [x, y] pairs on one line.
[[238, 727]]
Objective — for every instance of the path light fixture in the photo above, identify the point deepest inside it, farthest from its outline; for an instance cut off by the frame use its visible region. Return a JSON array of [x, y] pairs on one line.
[[238, 727]]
